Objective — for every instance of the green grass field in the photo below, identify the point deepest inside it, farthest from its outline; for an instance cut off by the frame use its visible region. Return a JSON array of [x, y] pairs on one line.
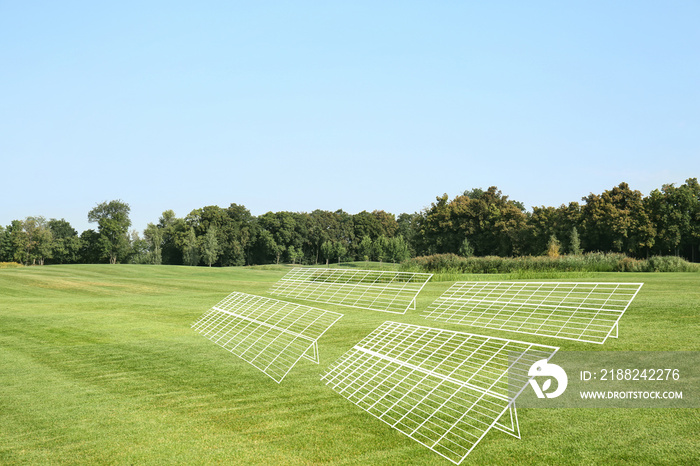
[[98, 364]]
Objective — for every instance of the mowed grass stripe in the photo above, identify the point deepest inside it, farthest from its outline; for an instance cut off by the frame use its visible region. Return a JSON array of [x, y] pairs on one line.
[[98, 365]]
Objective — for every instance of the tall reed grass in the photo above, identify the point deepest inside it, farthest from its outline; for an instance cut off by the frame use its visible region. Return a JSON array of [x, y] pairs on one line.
[[526, 266], [9, 265]]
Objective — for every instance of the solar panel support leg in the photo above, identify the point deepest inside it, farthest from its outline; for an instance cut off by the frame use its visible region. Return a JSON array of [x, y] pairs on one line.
[[313, 357], [613, 331], [512, 429]]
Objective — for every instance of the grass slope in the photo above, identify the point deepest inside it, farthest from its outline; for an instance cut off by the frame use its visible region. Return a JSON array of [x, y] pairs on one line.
[[98, 364]]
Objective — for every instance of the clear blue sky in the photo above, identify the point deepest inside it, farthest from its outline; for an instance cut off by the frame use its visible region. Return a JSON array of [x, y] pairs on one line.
[[340, 105]]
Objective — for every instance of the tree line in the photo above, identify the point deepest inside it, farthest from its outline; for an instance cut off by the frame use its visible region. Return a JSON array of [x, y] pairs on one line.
[[476, 223]]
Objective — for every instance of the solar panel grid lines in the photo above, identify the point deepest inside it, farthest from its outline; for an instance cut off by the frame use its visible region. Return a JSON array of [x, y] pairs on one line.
[[269, 334], [581, 311], [442, 388], [384, 291], [603, 306]]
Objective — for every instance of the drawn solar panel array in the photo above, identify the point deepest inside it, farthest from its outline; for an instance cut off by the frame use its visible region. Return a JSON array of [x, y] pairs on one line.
[[443, 389], [367, 289], [271, 335], [588, 312]]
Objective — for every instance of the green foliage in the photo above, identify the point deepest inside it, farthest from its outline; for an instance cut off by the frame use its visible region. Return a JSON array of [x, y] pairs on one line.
[[190, 250], [90, 248], [435, 263], [235, 229], [295, 254], [408, 228], [210, 246], [140, 250], [494, 223], [6, 252], [9, 265], [380, 249], [547, 221], [553, 247], [175, 232], [17, 242], [590, 262], [340, 251], [113, 221], [617, 221], [39, 240], [385, 249], [397, 249], [32, 241], [327, 251], [66, 242], [670, 264], [154, 237], [375, 224], [365, 249], [574, 243], [667, 222], [266, 249], [334, 251], [675, 214], [466, 249], [324, 226]]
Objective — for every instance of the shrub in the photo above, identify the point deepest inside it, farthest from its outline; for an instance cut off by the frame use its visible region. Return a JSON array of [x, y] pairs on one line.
[[553, 247], [590, 262], [629, 264], [9, 265], [670, 264]]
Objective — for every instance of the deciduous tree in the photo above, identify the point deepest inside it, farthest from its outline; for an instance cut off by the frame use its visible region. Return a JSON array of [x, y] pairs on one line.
[[397, 249], [327, 250], [408, 228], [17, 242], [494, 224], [617, 221], [190, 249], [210, 246], [364, 249], [154, 236], [39, 240], [113, 223], [382, 249], [574, 243], [90, 247], [553, 247], [675, 214], [66, 242]]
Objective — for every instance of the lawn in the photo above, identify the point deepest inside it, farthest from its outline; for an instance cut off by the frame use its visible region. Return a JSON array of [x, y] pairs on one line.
[[98, 364]]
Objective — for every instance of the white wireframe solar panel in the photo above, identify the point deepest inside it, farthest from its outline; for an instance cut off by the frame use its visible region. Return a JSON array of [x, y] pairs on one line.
[[367, 289], [441, 388], [270, 334], [587, 312]]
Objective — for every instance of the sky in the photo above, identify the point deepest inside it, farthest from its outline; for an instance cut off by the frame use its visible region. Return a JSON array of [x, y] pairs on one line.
[[358, 105]]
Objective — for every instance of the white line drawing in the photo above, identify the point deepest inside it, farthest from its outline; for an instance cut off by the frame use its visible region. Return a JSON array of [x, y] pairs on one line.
[[441, 388], [270, 334], [377, 290], [587, 312]]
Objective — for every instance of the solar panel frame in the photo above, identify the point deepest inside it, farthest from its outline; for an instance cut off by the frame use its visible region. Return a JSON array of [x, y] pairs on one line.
[[377, 290], [269, 334], [581, 311], [443, 389]]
